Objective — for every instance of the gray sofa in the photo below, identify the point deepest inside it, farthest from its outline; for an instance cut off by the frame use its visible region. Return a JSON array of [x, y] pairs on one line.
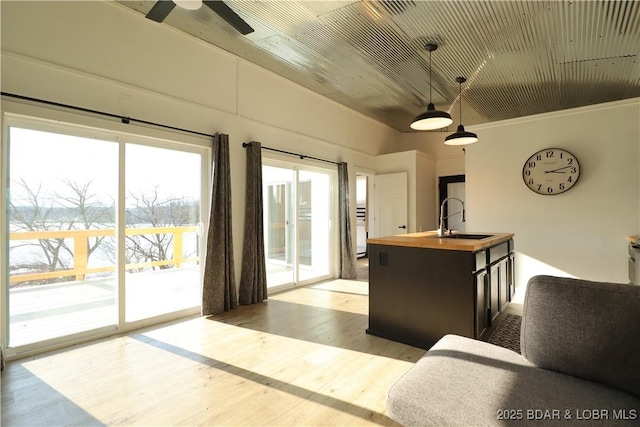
[[580, 364]]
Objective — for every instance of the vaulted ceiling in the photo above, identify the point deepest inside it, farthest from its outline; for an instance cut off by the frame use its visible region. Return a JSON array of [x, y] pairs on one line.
[[519, 57]]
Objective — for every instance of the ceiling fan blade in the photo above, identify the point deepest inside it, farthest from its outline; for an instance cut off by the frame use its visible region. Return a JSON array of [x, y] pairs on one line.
[[229, 15], [160, 10]]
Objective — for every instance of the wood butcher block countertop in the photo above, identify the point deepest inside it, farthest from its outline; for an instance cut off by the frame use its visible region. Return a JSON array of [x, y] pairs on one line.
[[430, 239]]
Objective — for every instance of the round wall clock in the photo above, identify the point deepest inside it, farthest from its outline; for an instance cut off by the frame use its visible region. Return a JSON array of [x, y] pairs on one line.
[[551, 171]]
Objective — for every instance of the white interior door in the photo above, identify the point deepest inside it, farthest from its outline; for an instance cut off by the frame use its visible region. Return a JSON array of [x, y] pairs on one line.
[[390, 212]]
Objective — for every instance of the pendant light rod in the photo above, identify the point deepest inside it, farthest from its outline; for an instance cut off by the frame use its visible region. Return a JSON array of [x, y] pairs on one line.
[[430, 47], [460, 80]]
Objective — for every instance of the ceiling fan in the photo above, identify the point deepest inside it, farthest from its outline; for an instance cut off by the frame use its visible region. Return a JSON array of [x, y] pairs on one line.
[[162, 8]]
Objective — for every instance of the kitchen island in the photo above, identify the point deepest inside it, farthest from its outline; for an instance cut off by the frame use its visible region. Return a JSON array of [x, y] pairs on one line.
[[422, 287]]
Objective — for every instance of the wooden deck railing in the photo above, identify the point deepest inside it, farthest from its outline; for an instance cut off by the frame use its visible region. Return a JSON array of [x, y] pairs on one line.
[[81, 254]]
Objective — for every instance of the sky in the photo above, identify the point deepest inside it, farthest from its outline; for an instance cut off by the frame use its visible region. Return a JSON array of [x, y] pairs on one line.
[[49, 158]]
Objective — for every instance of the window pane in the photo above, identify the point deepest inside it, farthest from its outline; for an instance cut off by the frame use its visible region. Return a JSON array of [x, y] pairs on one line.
[[278, 227], [297, 224], [61, 211], [162, 244], [314, 225]]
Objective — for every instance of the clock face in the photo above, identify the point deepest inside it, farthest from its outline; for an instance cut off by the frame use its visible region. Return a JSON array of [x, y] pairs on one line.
[[551, 171]]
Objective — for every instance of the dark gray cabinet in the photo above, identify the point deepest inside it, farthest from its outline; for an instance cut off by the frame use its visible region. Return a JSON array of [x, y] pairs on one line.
[[499, 282], [501, 276], [418, 295], [494, 286], [511, 274], [482, 302], [503, 286]]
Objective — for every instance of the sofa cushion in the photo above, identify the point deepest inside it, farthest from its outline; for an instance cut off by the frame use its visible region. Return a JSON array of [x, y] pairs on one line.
[[585, 329], [461, 381]]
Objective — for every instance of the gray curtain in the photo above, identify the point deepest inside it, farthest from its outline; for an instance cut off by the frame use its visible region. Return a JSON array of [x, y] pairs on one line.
[[347, 258], [219, 285], [253, 281]]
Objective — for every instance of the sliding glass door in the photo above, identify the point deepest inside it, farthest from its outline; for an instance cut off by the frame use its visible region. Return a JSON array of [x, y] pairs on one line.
[[297, 222], [279, 224], [103, 231], [62, 250], [161, 239], [314, 225]]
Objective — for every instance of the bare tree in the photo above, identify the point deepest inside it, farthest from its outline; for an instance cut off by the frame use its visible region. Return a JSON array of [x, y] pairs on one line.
[[151, 210], [37, 210], [34, 214], [90, 212], [74, 206]]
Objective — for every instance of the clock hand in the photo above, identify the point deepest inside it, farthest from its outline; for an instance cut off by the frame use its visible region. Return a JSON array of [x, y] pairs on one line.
[[556, 170]]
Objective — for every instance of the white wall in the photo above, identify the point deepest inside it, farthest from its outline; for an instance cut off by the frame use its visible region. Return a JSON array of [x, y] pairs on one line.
[[426, 193], [581, 233], [450, 159], [421, 192], [103, 56]]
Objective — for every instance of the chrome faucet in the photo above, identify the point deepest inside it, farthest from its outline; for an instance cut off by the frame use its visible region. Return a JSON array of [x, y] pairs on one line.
[[441, 230]]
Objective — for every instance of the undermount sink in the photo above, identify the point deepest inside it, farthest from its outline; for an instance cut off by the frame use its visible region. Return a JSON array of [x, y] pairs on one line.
[[466, 236]]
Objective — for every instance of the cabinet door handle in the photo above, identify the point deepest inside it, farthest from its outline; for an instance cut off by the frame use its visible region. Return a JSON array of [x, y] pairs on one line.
[[402, 226]]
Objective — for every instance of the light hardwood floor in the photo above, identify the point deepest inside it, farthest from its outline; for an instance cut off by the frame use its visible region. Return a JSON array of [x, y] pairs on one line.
[[301, 358]]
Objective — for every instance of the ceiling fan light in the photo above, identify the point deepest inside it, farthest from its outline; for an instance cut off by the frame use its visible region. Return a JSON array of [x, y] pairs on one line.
[[189, 4], [461, 137], [431, 119]]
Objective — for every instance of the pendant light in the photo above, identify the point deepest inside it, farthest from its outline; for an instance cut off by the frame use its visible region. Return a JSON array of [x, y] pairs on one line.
[[189, 4], [432, 118], [461, 137]]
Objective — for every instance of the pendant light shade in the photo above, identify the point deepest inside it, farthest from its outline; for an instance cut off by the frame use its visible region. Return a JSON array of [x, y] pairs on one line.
[[461, 137], [189, 4], [432, 118]]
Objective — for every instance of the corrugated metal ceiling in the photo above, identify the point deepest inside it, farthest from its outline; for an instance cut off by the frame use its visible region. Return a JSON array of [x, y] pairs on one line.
[[519, 57]]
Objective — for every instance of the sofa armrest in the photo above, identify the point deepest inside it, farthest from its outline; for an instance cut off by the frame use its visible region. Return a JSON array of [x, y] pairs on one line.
[[587, 329]]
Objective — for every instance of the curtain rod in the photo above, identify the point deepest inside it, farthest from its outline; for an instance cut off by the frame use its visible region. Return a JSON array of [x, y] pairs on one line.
[[302, 156], [123, 119]]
